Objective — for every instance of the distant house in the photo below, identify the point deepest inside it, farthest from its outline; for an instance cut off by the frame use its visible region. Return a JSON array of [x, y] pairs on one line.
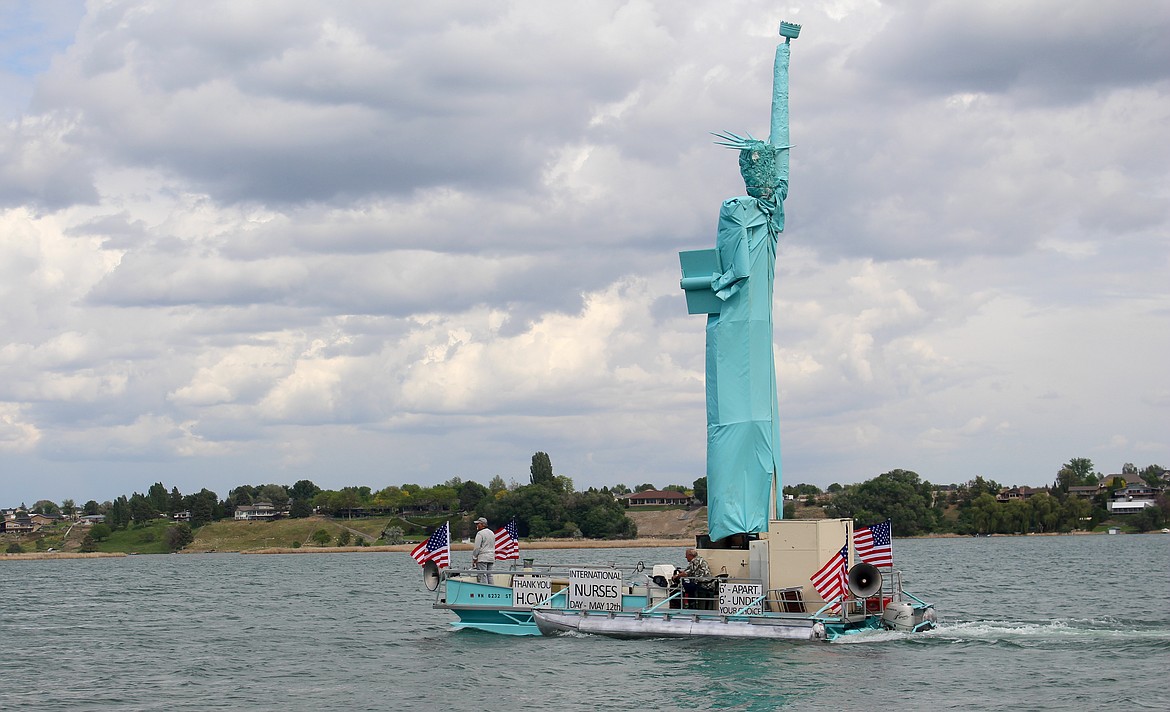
[[261, 511], [39, 520], [18, 523], [1137, 490], [652, 497], [88, 519], [1133, 498], [1122, 506], [1085, 491], [182, 516], [1007, 494]]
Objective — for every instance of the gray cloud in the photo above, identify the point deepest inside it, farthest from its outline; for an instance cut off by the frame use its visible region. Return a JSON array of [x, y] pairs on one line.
[[249, 241]]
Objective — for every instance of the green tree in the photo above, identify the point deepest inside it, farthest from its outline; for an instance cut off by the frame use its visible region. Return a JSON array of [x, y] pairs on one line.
[[100, 532], [1046, 512], [1154, 475], [320, 537], [1147, 519], [91, 508], [1016, 517], [202, 506], [497, 485], [700, 490], [343, 538], [118, 516], [159, 498], [898, 495], [541, 470], [175, 501], [68, 508], [1077, 472], [141, 510], [985, 514], [539, 511], [470, 494], [276, 495], [300, 509], [302, 494], [620, 489], [304, 489], [45, 506], [1074, 513], [599, 516]]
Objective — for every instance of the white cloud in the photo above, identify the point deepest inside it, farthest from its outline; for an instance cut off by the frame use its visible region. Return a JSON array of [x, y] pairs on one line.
[[251, 242]]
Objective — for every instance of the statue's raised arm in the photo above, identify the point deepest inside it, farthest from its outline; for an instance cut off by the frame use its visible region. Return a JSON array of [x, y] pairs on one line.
[[764, 165]]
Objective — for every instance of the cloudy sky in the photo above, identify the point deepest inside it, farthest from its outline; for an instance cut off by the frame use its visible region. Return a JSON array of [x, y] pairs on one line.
[[371, 243]]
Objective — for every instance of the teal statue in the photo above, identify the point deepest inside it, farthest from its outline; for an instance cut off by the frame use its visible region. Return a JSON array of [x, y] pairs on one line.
[[732, 284]]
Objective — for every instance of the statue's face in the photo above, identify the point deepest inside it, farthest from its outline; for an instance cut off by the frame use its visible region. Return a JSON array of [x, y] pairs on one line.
[[757, 165]]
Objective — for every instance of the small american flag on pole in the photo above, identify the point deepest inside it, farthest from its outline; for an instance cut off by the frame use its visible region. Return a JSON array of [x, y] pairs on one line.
[[508, 541], [830, 580], [874, 544], [437, 548]]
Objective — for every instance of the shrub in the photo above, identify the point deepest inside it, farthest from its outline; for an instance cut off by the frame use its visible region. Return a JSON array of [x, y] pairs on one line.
[[393, 535], [320, 537], [179, 536], [15, 548]]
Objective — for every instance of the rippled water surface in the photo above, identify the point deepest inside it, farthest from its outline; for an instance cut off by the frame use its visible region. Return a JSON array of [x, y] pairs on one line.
[[1028, 623]]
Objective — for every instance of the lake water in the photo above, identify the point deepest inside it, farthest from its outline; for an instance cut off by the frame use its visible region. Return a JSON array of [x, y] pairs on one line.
[[1027, 623]]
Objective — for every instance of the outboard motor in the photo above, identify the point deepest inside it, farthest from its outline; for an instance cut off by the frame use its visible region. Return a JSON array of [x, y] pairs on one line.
[[904, 617], [658, 586]]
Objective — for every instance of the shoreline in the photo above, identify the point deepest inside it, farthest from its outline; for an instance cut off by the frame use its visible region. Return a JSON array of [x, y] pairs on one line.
[[524, 546], [646, 543], [44, 555]]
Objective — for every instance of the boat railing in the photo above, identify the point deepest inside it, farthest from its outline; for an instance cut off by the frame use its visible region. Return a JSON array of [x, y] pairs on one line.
[[530, 568], [704, 596]]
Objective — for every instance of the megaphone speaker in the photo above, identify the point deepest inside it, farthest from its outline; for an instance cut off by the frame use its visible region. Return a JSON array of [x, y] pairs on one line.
[[864, 580], [431, 575]]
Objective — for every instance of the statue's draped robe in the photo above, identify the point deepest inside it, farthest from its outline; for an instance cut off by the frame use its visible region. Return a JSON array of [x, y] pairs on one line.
[[743, 433]]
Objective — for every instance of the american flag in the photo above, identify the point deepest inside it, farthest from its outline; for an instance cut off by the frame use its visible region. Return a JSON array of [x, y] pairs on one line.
[[508, 541], [830, 580], [874, 544], [437, 548]]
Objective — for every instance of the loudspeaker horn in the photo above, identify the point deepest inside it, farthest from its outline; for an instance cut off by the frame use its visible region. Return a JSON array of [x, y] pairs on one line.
[[864, 580], [431, 575]]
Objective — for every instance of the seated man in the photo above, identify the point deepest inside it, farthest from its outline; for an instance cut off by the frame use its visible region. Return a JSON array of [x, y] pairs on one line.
[[696, 580]]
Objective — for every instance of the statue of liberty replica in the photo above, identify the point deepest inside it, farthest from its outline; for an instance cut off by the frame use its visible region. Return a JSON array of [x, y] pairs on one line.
[[732, 284]]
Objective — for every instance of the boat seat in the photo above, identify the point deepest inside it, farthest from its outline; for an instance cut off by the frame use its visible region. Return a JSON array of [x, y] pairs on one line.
[[787, 600]]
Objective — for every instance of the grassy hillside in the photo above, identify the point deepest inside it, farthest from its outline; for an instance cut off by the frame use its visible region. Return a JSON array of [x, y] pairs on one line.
[[230, 535]]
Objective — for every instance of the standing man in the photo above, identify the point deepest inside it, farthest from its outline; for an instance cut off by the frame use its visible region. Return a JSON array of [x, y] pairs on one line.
[[483, 554]]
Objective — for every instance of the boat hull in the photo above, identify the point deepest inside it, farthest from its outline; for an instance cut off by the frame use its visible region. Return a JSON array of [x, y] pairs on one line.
[[679, 625]]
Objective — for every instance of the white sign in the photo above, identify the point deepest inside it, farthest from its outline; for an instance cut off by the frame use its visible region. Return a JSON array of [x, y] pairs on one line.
[[529, 591], [595, 589], [734, 596]]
